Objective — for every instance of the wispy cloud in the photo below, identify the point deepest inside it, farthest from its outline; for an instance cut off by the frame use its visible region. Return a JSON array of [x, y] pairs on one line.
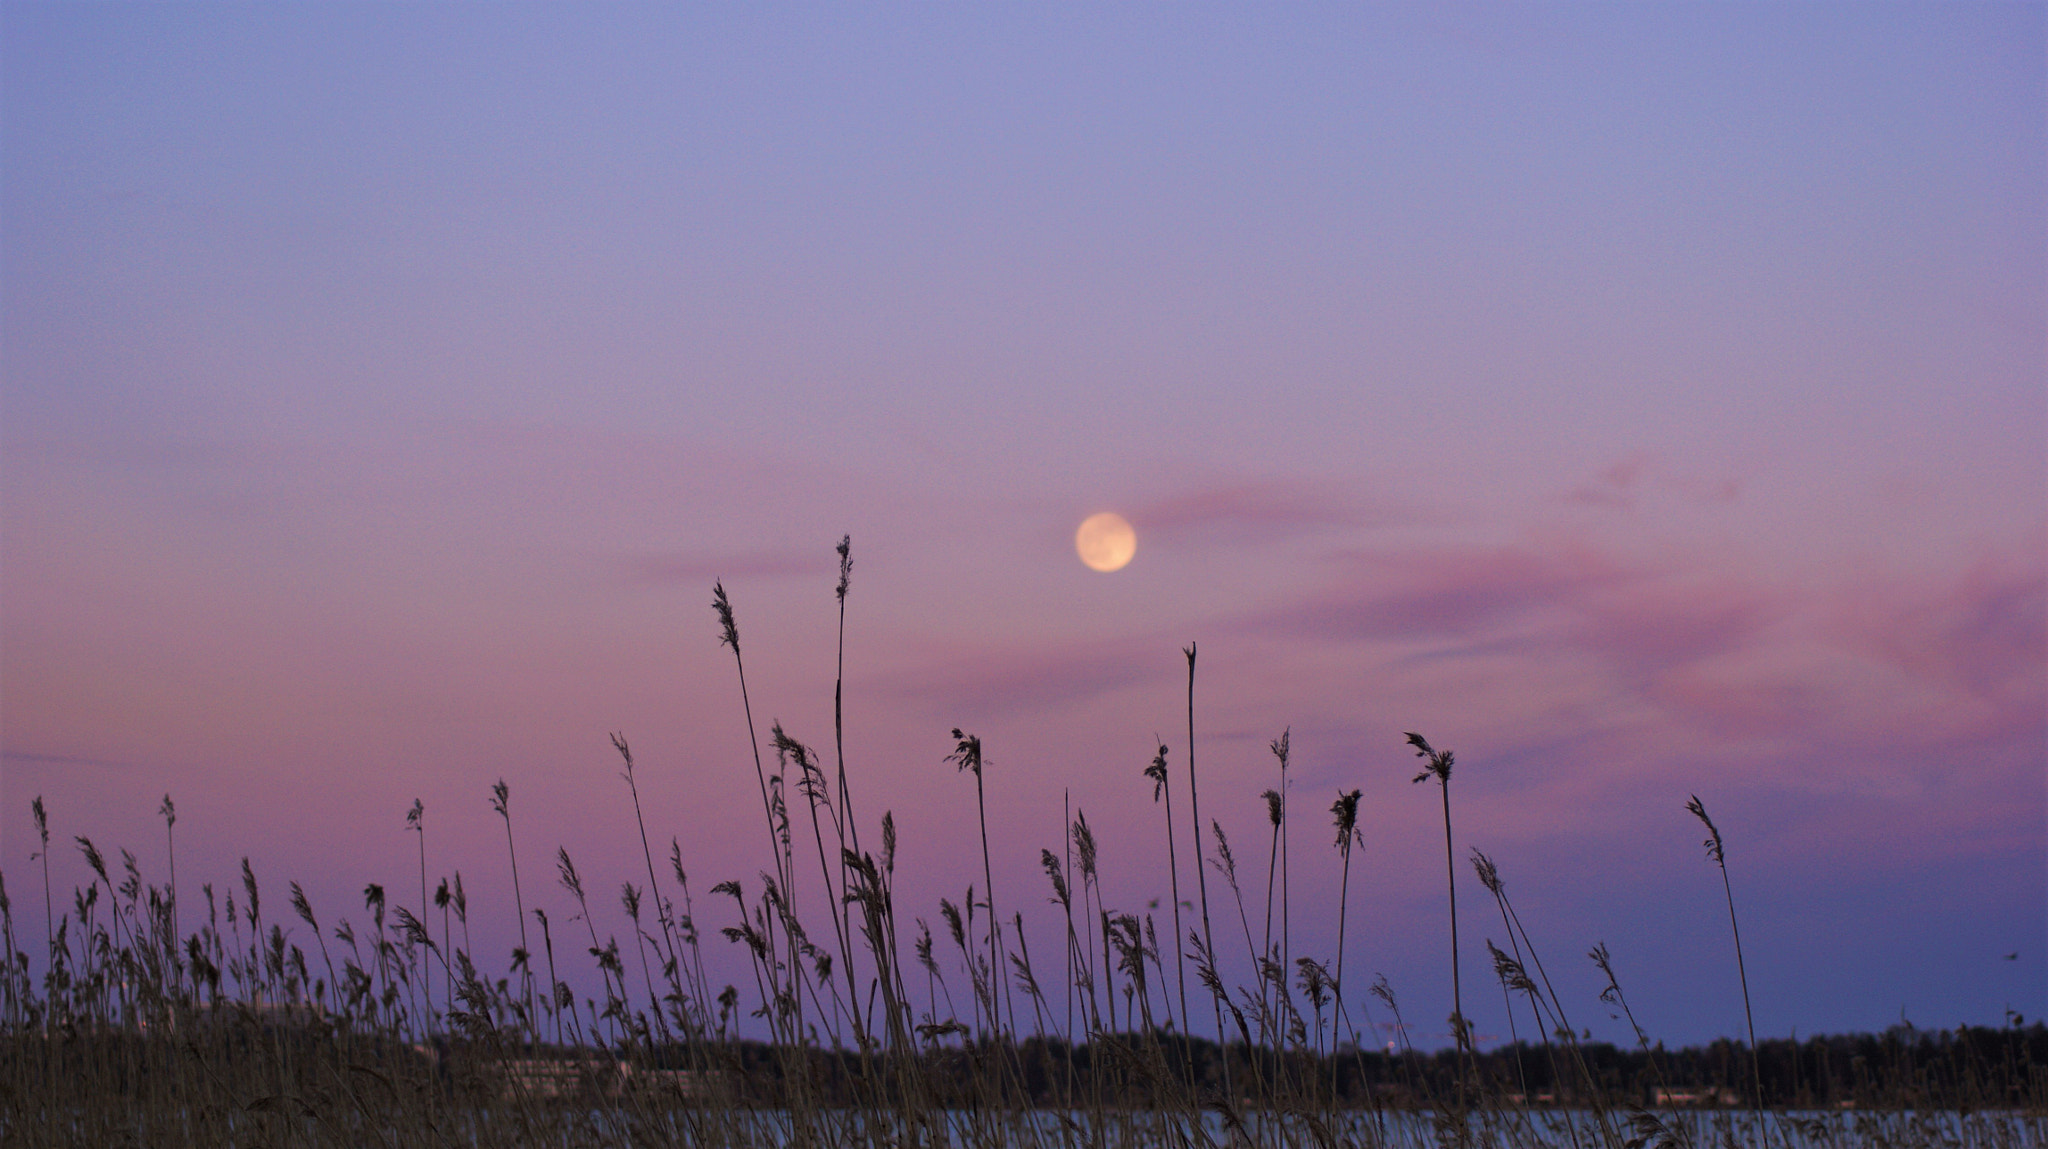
[[1975, 646], [1256, 511], [676, 567], [1624, 483], [61, 760], [961, 687], [1450, 594], [1695, 649]]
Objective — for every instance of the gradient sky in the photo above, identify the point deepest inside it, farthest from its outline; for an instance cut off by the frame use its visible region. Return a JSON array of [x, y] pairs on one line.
[[1638, 400]]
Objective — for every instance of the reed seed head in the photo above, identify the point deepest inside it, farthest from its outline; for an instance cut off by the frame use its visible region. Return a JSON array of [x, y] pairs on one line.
[[302, 907], [1713, 840], [1509, 971], [1084, 845], [1157, 772], [249, 885], [966, 753], [565, 870], [92, 856], [1314, 979], [729, 631], [1384, 991], [1224, 861], [1489, 874], [845, 549], [1345, 810], [1051, 862], [1439, 766], [951, 913]]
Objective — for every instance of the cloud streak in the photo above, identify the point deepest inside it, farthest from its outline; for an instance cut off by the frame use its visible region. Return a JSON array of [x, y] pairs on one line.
[[667, 568], [1690, 651], [1628, 481], [1254, 511], [1015, 682], [29, 759]]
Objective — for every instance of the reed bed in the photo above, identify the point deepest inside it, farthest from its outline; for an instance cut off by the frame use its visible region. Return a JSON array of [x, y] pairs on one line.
[[224, 1022]]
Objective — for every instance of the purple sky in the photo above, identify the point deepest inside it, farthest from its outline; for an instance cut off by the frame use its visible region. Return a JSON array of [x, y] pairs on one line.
[[1639, 401]]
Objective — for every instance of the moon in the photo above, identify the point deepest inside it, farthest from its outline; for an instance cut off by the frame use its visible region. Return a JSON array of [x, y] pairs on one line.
[[1106, 542]]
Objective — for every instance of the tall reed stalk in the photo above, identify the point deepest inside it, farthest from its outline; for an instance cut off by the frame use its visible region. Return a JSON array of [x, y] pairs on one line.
[[729, 635], [1280, 748], [42, 818], [522, 958], [1439, 767], [1162, 792], [416, 823], [847, 819], [1208, 941], [169, 813], [966, 755], [661, 913], [1345, 811], [1718, 854]]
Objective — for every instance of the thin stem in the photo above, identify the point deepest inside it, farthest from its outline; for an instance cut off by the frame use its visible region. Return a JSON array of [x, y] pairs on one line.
[[1201, 871], [1755, 1061]]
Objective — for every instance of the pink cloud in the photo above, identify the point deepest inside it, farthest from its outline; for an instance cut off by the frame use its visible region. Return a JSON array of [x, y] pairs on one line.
[[1976, 647], [1622, 485], [1452, 593], [671, 568], [1004, 683], [1683, 650], [66, 761], [1613, 487], [1254, 511]]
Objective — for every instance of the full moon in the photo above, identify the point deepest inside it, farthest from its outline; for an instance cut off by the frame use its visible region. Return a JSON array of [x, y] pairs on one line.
[[1105, 541]]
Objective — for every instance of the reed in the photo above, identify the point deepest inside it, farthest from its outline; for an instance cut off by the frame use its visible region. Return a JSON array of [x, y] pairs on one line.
[[1208, 939], [42, 820], [967, 756], [1162, 793], [168, 811], [1438, 766], [729, 636], [415, 824], [1345, 811], [1718, 854], [501, 804]]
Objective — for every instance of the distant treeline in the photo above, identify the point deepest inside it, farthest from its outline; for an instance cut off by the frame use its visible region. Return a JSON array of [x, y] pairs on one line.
[[1971, 1067], [1964, 1069], [1968, 1068]]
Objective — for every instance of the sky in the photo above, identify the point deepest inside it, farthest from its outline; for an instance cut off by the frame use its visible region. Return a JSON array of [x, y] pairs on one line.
[[1640, 401]]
